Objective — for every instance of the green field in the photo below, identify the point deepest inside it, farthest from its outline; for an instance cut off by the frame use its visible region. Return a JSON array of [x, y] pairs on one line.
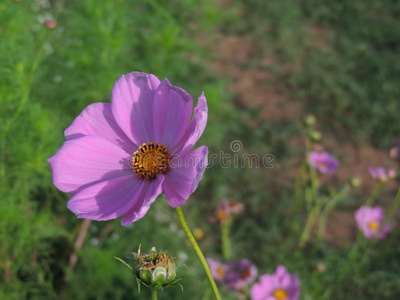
[[338, 60]]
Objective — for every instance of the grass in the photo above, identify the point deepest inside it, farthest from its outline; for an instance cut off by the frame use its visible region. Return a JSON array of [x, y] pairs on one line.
[[47, 77]]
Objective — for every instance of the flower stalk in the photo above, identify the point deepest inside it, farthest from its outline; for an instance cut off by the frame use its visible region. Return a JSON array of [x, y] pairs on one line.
[[226, 242], [376, 191], [154, 294], [328, 208], [199, 254]]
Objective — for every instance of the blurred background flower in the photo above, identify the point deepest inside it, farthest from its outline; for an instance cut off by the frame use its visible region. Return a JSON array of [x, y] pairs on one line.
[[323, 162], [382, 174], [370, 221], [280, 285]]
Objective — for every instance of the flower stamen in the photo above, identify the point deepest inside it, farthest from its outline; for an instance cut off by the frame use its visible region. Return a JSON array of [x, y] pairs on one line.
[[150, 160], [373, 225], [280, 294]]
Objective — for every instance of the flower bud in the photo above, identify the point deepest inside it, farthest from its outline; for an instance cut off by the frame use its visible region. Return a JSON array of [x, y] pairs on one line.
[[310, 120], [355, 182], [159, 275], [145, 275], [171, 270], [315, 136], [155, 268]]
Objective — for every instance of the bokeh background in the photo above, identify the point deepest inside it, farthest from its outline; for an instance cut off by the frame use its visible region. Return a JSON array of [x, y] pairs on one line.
[[263, 66]]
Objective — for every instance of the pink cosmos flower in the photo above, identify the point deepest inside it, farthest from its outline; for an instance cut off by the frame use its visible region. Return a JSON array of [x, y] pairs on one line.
[[370, 222], [382, 174], [323, 162], [395, 151], [225, 209], [234, 275], [240, 274], [119, 156], [278, 286], [50, 24], [218, 269]]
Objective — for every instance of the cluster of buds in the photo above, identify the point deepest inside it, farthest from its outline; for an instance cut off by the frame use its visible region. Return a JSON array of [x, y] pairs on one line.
[[154, 270], [313, 135], [225, 210]]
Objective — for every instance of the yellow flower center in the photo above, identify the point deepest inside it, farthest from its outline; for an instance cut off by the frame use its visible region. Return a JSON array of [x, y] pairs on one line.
[[221, 215], [280, 294], [221, 271], [373, 225], [150, 160]]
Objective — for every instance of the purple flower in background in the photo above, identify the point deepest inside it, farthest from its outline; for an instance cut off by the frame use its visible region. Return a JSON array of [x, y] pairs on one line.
[[119, 156], [235, 275], [323, 162], [395, 153], [240, 274], [278, 286], [382, 174], [225, 209], [370, 222], [218, 270]]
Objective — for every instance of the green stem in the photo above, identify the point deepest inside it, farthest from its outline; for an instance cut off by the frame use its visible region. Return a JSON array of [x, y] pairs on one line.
[[307, 229], [328, 208], [197, 249], [226, 242], [394, 207], [299, 196], [376, 191], [154, 293]]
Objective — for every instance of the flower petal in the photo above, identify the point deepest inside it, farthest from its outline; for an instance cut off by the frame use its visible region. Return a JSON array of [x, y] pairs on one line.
[[87, 160], [196, 127], [97, 119], [151, 190], [172, 111], [184, 176], [108, 199], [132, 105]]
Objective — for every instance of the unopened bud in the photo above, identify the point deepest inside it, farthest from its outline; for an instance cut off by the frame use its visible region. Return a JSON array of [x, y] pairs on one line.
[[309, 120], [145, 275], [315, 136], [159, 275], [155, 268], [171, 270], [355, 182]]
